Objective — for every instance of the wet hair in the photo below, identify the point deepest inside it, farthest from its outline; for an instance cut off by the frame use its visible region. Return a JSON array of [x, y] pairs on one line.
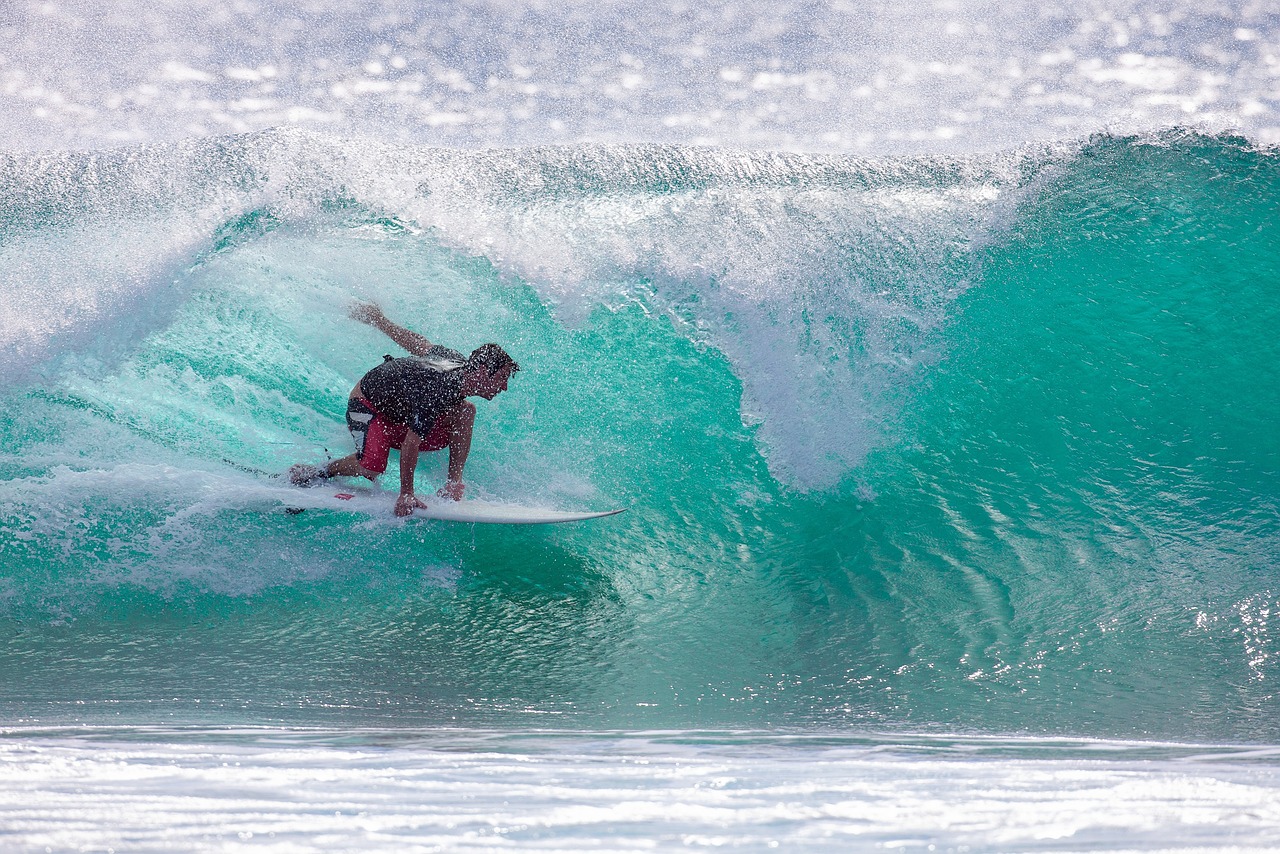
[[491, 357]]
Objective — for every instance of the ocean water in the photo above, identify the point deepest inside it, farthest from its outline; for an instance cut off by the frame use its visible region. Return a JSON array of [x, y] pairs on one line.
[[943, 413]]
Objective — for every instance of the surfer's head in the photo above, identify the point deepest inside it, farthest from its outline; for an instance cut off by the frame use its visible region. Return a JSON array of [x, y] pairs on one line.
[[492, 357], [487, 371]]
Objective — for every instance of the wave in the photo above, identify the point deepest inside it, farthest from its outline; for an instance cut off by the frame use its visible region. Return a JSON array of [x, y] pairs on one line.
[[978, 442]]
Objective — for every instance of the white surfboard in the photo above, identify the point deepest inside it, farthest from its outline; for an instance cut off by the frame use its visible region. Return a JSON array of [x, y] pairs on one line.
[[504, 514], [377, 502]]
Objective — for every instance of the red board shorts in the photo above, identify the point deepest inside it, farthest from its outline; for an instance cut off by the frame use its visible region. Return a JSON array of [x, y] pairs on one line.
[[375, 436]]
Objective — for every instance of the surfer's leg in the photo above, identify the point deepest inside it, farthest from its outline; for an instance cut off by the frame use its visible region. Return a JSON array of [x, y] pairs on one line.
[[373, 447], [374, 440], [305, 474], [349, 467]]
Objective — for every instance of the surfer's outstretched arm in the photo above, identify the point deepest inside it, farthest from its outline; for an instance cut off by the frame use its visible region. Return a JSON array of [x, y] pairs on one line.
[[371, 313]]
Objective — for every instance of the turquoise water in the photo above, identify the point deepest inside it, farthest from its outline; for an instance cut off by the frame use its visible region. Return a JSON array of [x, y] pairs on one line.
[[981, 445]]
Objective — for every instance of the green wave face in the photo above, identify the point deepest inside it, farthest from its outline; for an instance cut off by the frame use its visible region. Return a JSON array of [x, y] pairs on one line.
[[978, 445]]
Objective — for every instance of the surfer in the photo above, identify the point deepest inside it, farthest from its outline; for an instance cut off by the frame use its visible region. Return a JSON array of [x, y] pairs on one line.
[[415, 404]]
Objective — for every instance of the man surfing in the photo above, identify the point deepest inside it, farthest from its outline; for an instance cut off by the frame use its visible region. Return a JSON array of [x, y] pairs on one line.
[[414, 404]]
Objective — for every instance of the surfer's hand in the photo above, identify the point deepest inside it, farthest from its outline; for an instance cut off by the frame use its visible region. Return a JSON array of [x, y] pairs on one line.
[[366, 312], [452, 490], [406, 502]]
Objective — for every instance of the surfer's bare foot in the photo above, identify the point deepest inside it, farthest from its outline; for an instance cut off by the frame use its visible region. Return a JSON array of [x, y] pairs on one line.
[[307, 475]]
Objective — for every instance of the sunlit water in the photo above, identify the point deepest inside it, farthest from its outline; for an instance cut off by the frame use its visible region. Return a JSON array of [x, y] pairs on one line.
[[448, 790], [932, 351], [850, 75]]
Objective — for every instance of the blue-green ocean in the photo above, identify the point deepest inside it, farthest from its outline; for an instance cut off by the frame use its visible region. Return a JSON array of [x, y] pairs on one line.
[[979, 444], [931, 348]]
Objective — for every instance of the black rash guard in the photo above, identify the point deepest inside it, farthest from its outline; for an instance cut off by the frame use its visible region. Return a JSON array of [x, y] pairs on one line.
[[414, 391]]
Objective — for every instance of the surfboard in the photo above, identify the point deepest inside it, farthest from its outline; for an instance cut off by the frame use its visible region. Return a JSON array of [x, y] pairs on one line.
[[504, 514], [477, 512]]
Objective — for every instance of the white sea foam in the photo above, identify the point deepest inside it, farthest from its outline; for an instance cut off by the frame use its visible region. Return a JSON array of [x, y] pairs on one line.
[[281, 790]]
